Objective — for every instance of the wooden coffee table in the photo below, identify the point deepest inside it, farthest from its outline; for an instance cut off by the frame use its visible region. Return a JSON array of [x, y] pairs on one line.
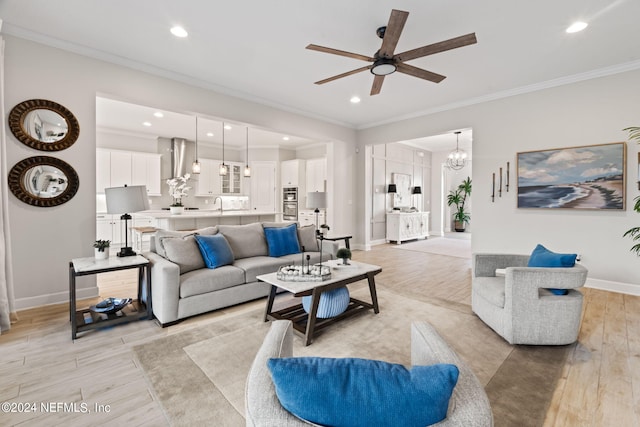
[[307, 324]]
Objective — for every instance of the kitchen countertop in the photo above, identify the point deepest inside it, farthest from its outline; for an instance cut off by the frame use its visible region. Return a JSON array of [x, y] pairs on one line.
[[201, 213]]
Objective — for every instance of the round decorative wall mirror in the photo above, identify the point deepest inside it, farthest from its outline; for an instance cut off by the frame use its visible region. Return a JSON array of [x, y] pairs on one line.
[[44, 125], [43, 181]]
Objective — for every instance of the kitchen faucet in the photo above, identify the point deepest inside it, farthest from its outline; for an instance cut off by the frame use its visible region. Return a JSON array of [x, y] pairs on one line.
[[214, 202]]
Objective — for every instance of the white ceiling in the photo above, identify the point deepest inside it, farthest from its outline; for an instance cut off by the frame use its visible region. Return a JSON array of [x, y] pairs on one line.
[[256, 49], [119, 117]]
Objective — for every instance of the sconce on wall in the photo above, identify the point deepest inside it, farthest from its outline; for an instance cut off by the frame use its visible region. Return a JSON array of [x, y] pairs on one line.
[[416, 190], [392, 188]]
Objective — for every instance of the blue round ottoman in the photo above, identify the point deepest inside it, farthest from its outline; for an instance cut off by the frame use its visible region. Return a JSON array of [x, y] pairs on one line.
[[331, 303]]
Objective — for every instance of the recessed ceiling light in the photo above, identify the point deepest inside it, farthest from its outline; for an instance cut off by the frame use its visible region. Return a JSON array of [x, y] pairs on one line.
[[576, 27], [146, 124], [355, 99], [158, 114], [178, 31], [227, 127], [285, 138], [209, 133]]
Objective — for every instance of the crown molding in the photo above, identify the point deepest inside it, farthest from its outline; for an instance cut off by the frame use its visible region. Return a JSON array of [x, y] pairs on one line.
[[561, 81]]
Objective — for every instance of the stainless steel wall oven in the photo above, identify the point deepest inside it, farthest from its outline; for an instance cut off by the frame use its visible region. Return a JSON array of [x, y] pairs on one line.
[[290, 203]]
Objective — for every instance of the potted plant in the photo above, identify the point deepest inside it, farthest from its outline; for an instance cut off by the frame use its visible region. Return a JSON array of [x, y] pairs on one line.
[[101, 250], [634, 233], [345, 254], [458, 197], [177, 190]]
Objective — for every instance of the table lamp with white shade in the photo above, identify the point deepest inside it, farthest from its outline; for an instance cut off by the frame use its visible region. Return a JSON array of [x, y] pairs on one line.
[[125, 200], [317, 200]]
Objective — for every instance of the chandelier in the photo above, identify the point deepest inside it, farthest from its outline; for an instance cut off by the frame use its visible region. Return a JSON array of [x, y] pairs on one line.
[[457, 159]]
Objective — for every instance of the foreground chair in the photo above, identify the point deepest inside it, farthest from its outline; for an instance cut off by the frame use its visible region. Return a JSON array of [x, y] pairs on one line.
[[518, 305], [469, 404]]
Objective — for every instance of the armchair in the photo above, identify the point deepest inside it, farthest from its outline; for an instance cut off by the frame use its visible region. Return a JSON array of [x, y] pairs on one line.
[[519, 306]]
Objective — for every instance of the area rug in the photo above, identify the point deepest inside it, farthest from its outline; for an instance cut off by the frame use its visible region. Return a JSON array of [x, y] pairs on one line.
[[198, 375], [460, 248]]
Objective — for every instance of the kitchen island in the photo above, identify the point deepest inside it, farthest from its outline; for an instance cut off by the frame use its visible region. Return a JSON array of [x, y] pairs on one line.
[[195, 219]]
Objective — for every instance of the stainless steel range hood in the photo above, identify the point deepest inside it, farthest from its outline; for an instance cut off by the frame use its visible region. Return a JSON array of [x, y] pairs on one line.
[[182, 155]]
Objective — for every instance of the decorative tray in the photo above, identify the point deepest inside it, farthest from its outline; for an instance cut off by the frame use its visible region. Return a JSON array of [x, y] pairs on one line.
[[298, 273], [110, 305]]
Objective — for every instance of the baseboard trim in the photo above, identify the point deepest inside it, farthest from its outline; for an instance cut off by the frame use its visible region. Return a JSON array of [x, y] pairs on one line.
[[57, 298], [608, 285]]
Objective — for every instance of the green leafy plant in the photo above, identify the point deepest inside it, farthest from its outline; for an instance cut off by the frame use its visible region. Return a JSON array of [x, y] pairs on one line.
[[101, 245], [458, 197], [345, 254], [634, 233]]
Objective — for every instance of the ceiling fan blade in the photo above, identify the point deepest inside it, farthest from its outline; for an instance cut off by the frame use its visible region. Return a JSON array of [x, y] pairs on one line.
[[339, 76], [420, 73], [339, 52], [442, 46], [377, 85], [392, 33]]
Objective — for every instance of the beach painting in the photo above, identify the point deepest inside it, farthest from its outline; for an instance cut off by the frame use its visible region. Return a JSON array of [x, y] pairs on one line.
[[587, 177]]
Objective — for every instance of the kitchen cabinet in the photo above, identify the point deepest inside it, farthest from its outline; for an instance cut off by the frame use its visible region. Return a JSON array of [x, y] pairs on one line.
[[263, 186], [316, 175], [115, 168], [293, 173], [209, 182], [145, 170], [407, 226], [109, 227], [308, 217], [232, 181]]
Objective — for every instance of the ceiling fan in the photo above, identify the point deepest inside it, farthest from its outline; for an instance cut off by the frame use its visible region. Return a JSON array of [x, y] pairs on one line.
[[385, 62]]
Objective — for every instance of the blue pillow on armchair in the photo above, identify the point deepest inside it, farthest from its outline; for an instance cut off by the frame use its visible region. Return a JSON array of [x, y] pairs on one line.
[[543, 257], [282, 240], [354, 392]]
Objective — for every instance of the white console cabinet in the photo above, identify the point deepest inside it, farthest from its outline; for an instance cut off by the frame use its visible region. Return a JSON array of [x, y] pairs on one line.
[[407, 225]]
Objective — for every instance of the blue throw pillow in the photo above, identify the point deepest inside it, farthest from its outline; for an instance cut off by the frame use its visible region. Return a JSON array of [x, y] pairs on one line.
[[215, 250], [358, 392], [543, 257], [282, 240]]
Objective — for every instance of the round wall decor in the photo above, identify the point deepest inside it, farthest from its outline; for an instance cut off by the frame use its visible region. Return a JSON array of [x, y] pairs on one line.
[[44, 125], [43, 181]]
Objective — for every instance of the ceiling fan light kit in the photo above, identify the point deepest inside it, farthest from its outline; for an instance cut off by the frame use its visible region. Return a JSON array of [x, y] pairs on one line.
[[385, 62]]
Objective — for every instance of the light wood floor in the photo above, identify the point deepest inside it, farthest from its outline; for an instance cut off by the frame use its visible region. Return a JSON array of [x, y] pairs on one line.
[[39, 363]]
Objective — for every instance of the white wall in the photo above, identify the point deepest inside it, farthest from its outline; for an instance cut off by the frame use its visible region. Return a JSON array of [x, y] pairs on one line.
[[46, 239], [584, 113]]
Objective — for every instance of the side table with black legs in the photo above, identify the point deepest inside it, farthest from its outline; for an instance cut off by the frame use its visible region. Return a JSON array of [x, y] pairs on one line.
[[85, 319]]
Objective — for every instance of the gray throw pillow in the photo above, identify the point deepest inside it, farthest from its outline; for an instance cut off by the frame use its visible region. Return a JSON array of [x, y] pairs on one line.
[[245, 240], [162, 234], [307, 238], [185, 252]]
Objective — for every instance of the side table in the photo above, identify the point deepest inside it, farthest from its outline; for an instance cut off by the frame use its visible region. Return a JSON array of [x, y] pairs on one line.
[[85, 319], [339, 237]]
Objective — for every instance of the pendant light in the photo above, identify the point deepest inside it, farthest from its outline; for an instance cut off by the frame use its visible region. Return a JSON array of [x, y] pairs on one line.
[[247, 169], [457, 159], [195, 167], [223, 168]]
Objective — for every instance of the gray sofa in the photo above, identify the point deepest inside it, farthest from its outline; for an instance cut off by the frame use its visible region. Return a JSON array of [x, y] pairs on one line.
[[182, 286], [518, 304], [469, 404]]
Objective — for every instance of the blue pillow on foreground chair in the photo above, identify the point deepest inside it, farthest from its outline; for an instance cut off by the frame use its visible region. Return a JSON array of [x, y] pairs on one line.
[[354, 392], [543, 257]]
